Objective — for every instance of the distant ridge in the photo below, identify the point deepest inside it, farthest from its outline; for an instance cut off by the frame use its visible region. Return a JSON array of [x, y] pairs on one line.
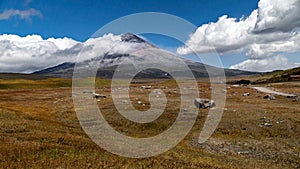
[[278, 76], [13, 76]]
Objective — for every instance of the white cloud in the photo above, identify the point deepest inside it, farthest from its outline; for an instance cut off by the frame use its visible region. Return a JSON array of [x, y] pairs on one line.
[[289, 44], [32, 53], [278, 15], [227, 34], [63, 43], [278, 62], [23, 14], [270, 30]]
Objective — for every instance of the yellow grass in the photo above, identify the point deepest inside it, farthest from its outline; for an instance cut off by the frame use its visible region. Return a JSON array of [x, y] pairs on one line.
[[39, 129]]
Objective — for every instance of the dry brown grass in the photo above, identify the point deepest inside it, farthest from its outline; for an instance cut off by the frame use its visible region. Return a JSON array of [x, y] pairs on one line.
[[39, 129]]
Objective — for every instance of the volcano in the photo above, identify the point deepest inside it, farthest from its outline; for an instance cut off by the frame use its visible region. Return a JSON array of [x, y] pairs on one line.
[[134, 51]]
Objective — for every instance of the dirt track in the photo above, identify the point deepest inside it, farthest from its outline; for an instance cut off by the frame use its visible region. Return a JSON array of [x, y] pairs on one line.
[[270, 91]]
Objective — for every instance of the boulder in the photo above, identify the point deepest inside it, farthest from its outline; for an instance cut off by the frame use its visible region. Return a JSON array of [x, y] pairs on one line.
[[269, 97], [204, 103], [96, 95]]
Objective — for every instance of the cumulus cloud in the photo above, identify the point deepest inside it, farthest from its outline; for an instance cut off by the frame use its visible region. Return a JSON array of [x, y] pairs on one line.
[[23, 14], [278, 62], [270, 30], [227, 34], [288, 44], [31, 53], [278, 15]]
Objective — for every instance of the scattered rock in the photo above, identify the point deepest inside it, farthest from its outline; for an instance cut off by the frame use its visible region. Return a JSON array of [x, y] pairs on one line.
[[296, 99], [268, 124], [96, 95], [146, 87], [269, 97], [246, 94], [243, 152], [265, 122], [204, 103], [280, 121]]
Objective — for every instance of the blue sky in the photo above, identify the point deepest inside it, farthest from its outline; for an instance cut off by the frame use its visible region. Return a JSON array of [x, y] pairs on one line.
[[245, 43], [79, 19]]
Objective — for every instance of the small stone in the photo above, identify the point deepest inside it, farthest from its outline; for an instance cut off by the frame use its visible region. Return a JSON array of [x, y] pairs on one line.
[[296, 99], [246, 94], [269, 97], [267, 124], [146, 87], [96, 95]]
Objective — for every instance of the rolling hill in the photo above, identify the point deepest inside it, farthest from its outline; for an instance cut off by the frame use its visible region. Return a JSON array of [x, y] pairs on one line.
[[278, 76]]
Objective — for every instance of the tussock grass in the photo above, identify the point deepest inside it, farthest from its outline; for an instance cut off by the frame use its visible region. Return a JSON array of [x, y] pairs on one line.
[[39, 129]]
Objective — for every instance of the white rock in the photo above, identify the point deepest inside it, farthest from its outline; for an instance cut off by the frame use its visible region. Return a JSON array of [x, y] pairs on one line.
[[246, 94], [146, 87], [96, 95]]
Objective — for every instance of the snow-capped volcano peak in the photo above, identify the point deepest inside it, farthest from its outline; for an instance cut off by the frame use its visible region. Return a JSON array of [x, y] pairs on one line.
[[132, 38], [129, 37]]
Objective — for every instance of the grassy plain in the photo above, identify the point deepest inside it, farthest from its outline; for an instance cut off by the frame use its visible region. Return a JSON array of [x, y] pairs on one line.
[[39, 128]]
